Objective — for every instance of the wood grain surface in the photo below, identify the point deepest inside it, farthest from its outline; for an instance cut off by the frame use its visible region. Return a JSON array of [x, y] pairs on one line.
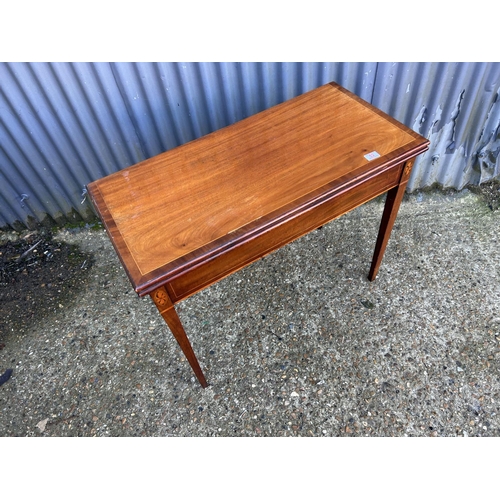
[[176, 208]]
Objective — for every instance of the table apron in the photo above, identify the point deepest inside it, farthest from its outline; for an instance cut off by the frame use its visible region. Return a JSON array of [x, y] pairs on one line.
[[243, 254]]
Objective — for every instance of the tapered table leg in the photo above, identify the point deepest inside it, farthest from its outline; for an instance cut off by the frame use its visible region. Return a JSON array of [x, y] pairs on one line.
[[392, 203], [167, 310]]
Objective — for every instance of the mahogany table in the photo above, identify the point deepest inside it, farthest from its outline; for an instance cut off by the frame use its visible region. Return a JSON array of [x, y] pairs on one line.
[[188, 217]]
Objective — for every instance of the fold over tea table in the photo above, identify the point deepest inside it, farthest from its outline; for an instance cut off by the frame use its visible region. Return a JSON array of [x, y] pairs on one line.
[[188, 217]]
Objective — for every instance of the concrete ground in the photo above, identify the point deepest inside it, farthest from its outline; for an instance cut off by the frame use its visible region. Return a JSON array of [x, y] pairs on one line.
[[299, 343]]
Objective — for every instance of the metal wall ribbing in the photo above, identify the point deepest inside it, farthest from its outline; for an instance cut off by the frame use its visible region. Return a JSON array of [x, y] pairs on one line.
[[63, 125]]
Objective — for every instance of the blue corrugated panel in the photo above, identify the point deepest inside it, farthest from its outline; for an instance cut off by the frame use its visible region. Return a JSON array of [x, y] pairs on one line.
[[456, 106], [63, 125], [173, 103]]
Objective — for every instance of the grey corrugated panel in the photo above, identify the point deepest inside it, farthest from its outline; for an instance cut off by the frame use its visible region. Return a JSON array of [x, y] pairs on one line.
[[456, 106], [65, 124]]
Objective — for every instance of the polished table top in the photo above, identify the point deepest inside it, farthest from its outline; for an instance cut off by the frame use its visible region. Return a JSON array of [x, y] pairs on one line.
[[182, 205]]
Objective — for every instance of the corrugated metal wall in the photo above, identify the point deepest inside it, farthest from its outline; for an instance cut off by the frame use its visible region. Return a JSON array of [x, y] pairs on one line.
[[63, 125], [456, 106]]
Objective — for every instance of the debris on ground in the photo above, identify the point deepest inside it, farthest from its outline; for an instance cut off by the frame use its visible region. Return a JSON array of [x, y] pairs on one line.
[[6, 375]]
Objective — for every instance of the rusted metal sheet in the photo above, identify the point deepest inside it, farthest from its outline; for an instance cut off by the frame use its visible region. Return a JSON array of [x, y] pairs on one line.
[[63, 125]]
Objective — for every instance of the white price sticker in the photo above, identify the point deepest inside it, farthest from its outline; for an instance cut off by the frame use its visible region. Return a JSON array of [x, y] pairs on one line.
[[371, 156]]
